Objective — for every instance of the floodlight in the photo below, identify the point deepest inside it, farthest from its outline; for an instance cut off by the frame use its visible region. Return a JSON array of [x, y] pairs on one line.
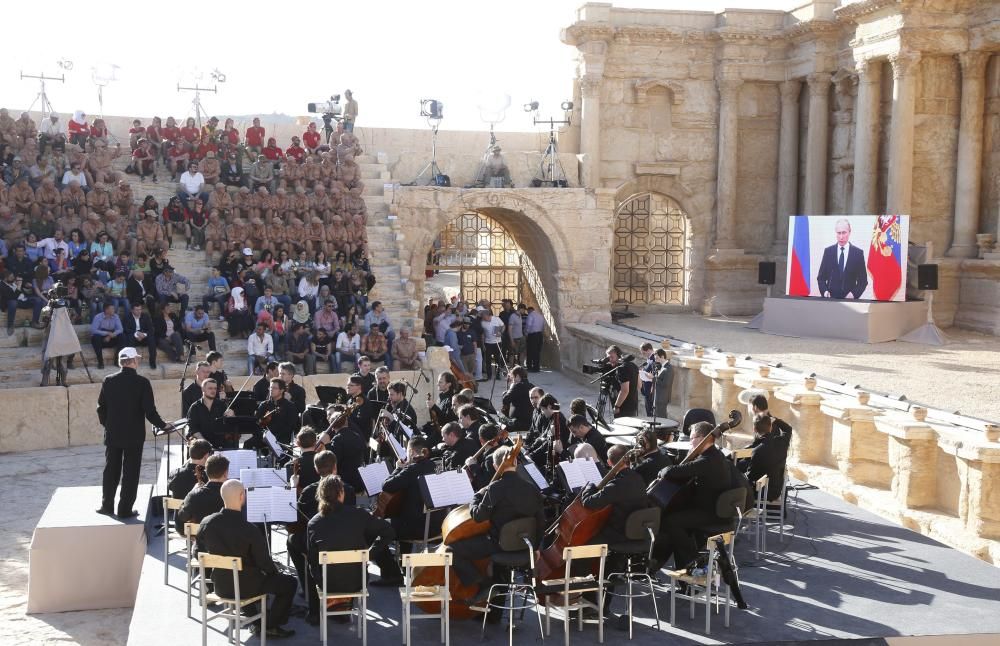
[[531, 107]]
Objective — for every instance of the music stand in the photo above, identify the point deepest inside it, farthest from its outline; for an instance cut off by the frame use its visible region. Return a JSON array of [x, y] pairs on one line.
[[244, 405], [331, 394], [240, 425], [175, 427]]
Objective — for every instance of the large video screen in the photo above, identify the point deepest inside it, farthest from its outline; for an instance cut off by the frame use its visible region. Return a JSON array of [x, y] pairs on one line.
[[860, 257]]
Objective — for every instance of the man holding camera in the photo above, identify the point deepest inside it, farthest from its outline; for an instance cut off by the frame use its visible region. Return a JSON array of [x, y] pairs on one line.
[[627, 378]]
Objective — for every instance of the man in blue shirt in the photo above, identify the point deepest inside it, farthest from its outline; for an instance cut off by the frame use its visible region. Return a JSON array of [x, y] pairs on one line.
[[197, 327], [105, 332]]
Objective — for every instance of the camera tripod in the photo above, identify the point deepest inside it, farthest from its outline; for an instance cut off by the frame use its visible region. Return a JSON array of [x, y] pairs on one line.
[[481, 179], [550, 170], [432, 167]]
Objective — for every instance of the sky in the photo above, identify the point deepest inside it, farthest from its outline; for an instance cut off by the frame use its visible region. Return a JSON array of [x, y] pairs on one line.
[[277, 57]]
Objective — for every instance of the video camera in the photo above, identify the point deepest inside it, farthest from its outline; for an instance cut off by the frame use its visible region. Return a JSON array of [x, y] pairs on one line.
[[57, 296], [596, 367], [329, 109]]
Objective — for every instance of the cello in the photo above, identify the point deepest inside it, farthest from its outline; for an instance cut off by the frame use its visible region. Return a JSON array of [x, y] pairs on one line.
[[465, 380], [459, 525], [576, 526]]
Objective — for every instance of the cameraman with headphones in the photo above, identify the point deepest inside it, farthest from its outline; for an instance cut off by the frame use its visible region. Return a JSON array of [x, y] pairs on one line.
[[627, 378]]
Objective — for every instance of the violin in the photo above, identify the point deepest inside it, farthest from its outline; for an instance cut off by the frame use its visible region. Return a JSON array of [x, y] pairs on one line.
[[340, 421], [501, 437]]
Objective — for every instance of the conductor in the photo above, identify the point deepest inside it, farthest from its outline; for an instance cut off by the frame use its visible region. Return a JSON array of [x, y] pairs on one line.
[[842, 272], [126, 400]]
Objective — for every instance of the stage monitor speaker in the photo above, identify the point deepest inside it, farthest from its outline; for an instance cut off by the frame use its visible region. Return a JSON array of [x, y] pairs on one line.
[[927, 277], [766, 272]]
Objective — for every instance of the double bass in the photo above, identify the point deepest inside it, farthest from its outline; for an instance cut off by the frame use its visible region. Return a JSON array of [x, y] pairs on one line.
[[577, 525], [459, 525], [465, 380]]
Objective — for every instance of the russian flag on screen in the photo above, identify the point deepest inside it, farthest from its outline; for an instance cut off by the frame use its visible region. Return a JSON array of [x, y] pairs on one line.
[[885, 258], [798, 283]]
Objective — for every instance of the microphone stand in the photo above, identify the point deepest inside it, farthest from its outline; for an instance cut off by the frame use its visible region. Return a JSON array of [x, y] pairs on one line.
[[191, 348]]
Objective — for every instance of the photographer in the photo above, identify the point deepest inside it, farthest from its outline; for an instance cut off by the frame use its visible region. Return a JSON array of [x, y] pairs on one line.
[[627, 378]]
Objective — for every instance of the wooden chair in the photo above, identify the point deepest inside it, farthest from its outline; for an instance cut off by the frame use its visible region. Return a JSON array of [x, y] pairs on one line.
[[340, 558], [191, 562], [740, 454], [569, 589], [702, 585], [232, 608], [408, 594], [169, 505], [757, 517]]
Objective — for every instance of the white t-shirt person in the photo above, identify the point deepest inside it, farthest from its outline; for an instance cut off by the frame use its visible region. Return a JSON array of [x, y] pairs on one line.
[[192, 183], [492, 330]]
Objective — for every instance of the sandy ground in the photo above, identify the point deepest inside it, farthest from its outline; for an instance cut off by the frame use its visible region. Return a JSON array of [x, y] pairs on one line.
[[962, 376]]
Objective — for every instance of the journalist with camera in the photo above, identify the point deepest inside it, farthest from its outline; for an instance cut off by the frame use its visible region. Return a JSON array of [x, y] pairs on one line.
[[620, 379]]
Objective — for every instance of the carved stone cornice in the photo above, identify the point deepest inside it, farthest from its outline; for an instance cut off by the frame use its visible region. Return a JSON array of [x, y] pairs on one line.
[[812, 29], [856, 10], [819, 82], [739, 36], [790, 91], [974, 62], [903, 63], [868, 69], [583, 32], [639, 34]]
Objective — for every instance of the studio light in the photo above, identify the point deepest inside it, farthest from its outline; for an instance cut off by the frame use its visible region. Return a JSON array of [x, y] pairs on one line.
[[432, 109], [531, 107]]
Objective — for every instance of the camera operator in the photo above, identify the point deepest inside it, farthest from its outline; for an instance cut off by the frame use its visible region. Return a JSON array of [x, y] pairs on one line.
[[627, 378]]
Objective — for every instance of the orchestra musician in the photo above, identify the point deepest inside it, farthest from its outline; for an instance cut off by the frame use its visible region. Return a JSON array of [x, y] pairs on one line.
[[346, 444], [582, 431], [282, 418], [538, 421], [227, 533], [471, 419], [554, 427], [510, 497], [481, 469], [205, 417], [217, 371], [206, 499], [457, 447], [711, 475], [517, 400], [184, 479], [360, 420], [262, 389], [399, 407], [324, 464], [770, 452], [294, 393], [652, 459], [365, 372], [409, 522], [302, 466], [192, 392], [377, 396], [339, 527], [441, 413]]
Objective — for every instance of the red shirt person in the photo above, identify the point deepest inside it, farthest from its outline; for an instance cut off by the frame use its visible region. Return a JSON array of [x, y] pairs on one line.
[[170, 132], [255, 135], [190, 131], [295, 150], [272, 152], [311, 137]]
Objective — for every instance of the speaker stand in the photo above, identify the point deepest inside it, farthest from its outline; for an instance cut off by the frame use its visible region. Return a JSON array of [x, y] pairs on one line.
[[928, 333], [757, 321]]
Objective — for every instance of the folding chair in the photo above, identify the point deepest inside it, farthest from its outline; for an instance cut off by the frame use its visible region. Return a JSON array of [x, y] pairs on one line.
[[231, 610], [703, 586], [641, 528], [442, 594], [570, 589], [169, 504], [340, 558]]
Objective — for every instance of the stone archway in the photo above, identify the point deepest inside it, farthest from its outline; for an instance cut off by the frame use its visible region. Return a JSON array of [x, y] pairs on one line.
[[565, 235]]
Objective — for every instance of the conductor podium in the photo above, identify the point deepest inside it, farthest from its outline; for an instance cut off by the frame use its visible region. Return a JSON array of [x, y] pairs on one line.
[[81, 560]]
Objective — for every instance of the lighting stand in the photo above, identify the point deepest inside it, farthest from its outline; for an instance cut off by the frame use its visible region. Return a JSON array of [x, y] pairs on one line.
[[199, 111], [550, 170], [480, 180], [431, 168], [42, 98]]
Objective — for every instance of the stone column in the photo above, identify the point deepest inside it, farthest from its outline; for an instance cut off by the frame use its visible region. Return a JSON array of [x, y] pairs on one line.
[[788, 161], [861, 452], [817, 143], [913, 455], [968, 171], [725, 186], [900, 190], [724, 391], [590, 130], [979, 507], [692, 388], [866, 117], [811, 435]]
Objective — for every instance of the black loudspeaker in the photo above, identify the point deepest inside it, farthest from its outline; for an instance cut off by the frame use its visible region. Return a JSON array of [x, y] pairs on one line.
[[927, 277], [766, 272]]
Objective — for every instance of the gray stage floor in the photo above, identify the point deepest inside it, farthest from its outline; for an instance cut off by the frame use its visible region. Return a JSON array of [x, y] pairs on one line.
[[842, 573]]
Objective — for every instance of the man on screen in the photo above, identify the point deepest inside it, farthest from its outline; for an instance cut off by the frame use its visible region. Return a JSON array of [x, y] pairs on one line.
[[842, 272]]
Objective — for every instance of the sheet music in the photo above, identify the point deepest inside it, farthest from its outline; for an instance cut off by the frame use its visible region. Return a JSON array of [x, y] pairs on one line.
[[263, 478], [579, 472], [272, 443], [373, 475], [240, 459], [406, 429], [271, 505], [449, 488], [536, 475], [396, 446]]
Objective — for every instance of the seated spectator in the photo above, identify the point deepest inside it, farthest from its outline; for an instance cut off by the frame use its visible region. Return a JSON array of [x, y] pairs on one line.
[[232, 170], [59, 267], [135, 134], [137, 331], [374, 345], [171, 287], [376, 317], [404, 352], [178, 157], [51, 134], [218, 291], [198, 327], [105, 332], [299, 344], [175, 219], [326, 318], [211, 169], [272, 152], [255, 137], [262, 175], [49, 245], [197, 226], [296, 151], [192, 184], [76, 244], [348, 346], [93, 292], [260, 350], [321, 350], [102, 252], [139, 289], [117, 293], [279, 331], [78, 130], [167, 331], [14, 297], [309, 289], [238, 314], [266, 304], [144, 160]]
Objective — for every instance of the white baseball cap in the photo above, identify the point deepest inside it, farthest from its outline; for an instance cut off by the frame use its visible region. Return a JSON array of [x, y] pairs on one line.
[[128, 353], [247, 251]]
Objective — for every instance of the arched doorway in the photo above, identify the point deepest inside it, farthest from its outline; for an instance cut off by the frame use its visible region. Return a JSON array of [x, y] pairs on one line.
[[485, 256], [649, 261]]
